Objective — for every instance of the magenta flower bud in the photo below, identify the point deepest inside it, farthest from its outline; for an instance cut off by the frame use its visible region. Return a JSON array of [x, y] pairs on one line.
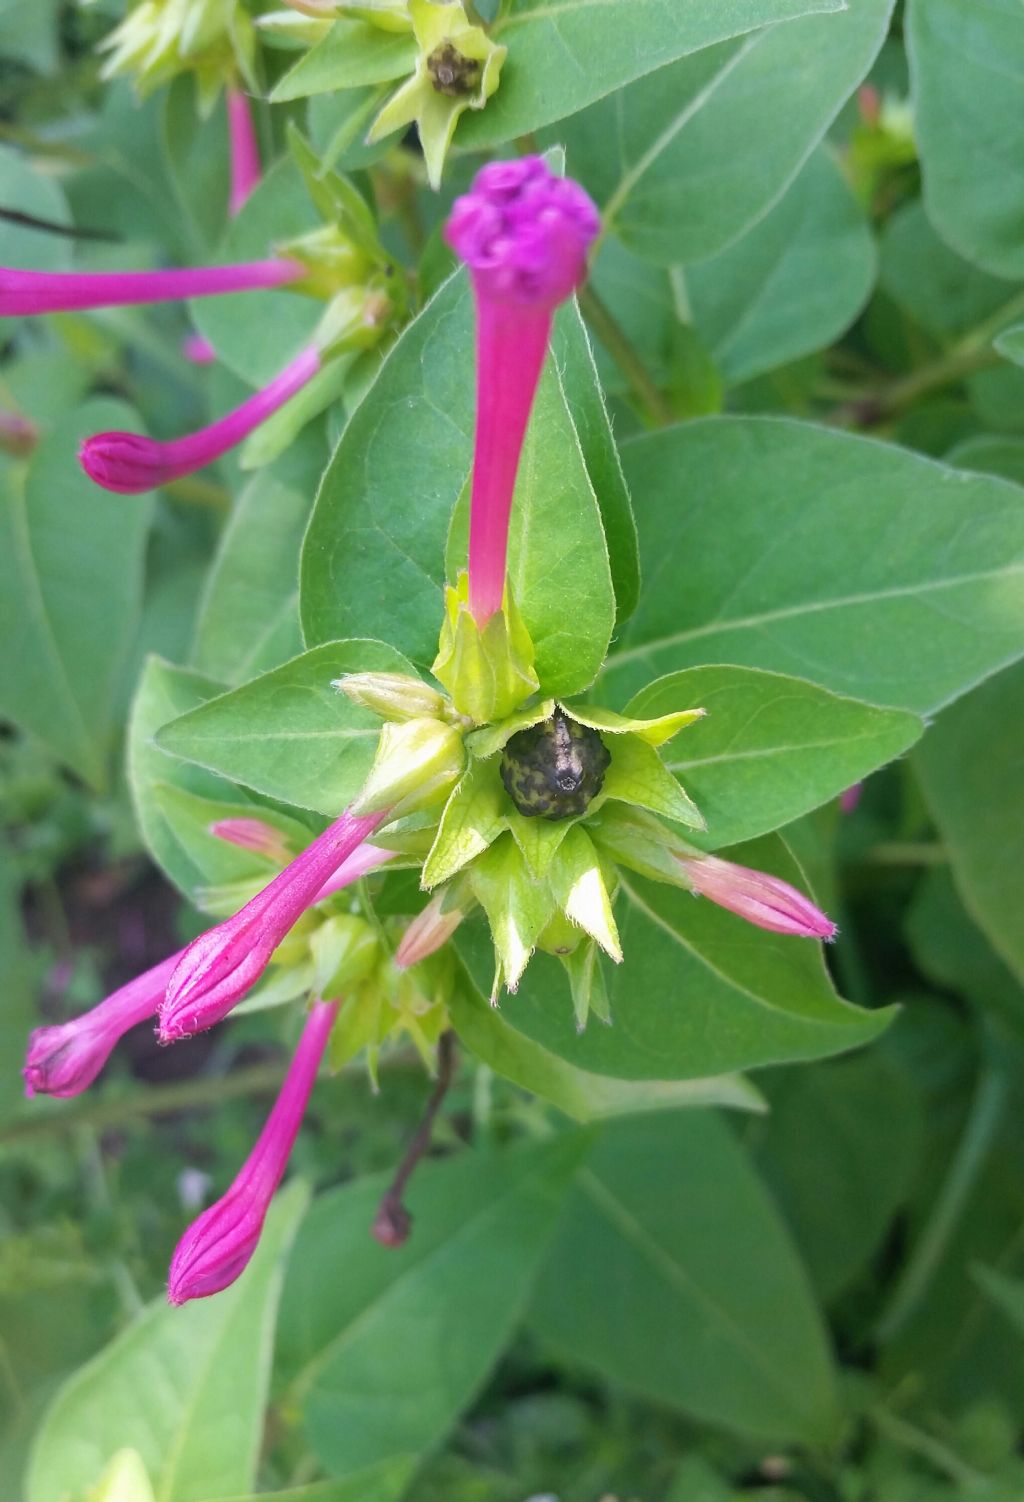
[[131, 463], [428, 931], [26, 292], [198, 350], [524, 234], [850, 797], [216, 1248], [245, 154], [219, 967], [255, 835], [765, 900], [64, 1060]]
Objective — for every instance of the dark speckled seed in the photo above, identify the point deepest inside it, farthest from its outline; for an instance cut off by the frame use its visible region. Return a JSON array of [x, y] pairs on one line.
[[554, 769]]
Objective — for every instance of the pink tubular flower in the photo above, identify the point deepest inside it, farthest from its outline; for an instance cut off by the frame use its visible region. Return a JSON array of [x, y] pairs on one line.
[[524, 234], [245, 154], [219, 967], [64, 1060], [131, 463], [198, 350], [264, 839], [216, 1248], [26, 292], [765, 900]]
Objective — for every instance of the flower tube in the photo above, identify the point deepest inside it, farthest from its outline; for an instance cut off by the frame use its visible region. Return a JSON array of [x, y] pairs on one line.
[[219, 967], [765, 900], [23, 293], [245, 153], [131, 463], [264, 839], [524, 234], [65, 1059], [217, 1247]]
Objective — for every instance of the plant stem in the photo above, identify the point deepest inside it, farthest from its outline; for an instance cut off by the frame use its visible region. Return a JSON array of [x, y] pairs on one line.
[[197, 492], [907, 853], [916, 1440], [615, 340], [980, 1128], [392, 1223], [155, 1100]]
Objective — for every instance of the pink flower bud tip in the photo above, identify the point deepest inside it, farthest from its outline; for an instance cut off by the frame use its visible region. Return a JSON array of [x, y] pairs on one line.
[[219, 967], [427, 932], [217, 1246], [131, 463], [198, 350], [850, 797], [64, 1060], [767, 901], [524, 232], [255, 835], [245, 154]]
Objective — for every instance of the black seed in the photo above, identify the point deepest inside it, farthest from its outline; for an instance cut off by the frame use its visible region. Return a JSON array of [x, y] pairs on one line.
[[451, 73], [554, 769]]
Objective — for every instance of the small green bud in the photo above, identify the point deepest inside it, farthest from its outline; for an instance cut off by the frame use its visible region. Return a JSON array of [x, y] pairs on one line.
[[393, 696], [553, 770], [488, 672], [417, 764], [355, 318], [333, 258], [345, 950]]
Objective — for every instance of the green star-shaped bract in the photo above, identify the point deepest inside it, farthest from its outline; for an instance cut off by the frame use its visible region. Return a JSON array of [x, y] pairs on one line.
[[448, 44]]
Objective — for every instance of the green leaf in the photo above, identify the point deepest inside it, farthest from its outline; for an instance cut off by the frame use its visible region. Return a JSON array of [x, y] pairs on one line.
[[783, 546], [574, 355], [197, 165], [564, 55], [953, 952], [290, 734], [249, 616], [164, 692], [383, 1359], [701, 992], [707, 146], [256, 333], [71, 566], [378, 1483], [973, 777], [673, 1276], [1006, 1293], [372, 562], [839, 1148], [29, 191], [967, 72], [18, 1013], [1011, 344], [637, 775], [792, 283], [579, 1094], [770, 748], [941, 291], [186, 1388], [988, 454], [351, 55]]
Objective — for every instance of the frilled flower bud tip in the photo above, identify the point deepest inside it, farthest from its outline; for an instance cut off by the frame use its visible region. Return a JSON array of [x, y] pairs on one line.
[[524, 233]]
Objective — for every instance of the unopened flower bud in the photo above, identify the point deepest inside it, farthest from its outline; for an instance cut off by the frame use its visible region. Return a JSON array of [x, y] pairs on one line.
[[255, 835], [765, 900], [393, 696], [430, 929], [217, 1247]]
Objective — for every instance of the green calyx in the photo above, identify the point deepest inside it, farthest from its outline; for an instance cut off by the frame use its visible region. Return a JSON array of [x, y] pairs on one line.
[[488, 671], [457, 68]]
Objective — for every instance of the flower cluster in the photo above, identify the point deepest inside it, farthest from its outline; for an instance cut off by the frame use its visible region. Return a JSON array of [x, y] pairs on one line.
[[504, 797]]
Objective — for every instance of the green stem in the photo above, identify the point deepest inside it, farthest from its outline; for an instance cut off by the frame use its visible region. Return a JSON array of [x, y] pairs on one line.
[[617, 343], [196, 492], [907, 853], [979, 1130], [154, 1100], [934, 1451]]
